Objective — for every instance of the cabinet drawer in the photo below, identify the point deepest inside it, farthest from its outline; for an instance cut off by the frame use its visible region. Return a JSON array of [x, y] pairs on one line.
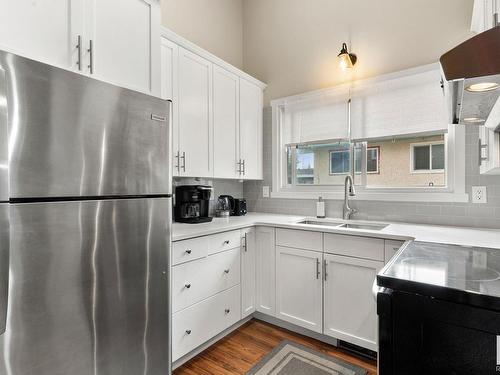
[[223, 241], [299, 239], [184, 251], [391, 248], [352, 246], [199, 323], [202, 278]]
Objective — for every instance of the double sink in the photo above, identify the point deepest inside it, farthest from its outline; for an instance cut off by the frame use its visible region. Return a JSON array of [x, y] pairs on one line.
[[344, 225]]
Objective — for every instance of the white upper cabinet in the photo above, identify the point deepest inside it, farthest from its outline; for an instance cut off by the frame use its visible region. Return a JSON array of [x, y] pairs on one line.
[[251, 122], [114, 40], [483, 15], [44, 30], [195, 116], [349, 306], [226, 123], [299, 287], [125, 38]]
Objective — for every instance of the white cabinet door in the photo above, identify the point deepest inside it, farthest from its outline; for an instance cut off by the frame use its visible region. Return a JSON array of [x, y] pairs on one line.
[[125, 36], [251, 102], [350, 312], [169, 52], [195, 115], [299, 287], [44, 30], [490, 151], [248, 272], [265, 270], [226, 123]]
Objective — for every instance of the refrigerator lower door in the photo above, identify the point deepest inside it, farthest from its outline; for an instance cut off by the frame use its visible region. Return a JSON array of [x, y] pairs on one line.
[[4, 264], [89, 289]]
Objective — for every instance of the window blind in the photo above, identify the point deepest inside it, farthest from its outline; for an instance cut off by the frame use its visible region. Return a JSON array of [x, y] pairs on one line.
[[403, 106], [316, 119]]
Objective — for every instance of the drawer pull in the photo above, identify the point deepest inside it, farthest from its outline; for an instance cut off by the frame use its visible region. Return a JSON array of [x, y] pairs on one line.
[[188, 286], [188, 331], [227, 311], [188, 251], [226, 242], [226, 271]]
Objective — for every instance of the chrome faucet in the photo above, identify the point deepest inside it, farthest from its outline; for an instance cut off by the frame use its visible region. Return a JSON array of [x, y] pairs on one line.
[[348, 192]]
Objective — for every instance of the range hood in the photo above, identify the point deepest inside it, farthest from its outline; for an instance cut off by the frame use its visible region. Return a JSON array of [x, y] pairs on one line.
[[473, 72]]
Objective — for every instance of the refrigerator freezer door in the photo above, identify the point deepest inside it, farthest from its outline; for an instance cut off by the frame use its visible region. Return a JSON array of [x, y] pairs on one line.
[[72, 135], [89, 291]]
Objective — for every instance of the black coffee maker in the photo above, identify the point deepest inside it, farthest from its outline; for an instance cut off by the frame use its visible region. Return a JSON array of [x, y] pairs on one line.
[[192, 204]]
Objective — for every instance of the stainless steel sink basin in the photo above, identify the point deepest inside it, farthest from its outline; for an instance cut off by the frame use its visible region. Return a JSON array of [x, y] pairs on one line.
[[324, 223], [363, 226]]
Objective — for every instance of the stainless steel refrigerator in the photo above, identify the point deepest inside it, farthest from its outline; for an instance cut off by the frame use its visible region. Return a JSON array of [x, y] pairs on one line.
[[85, 198]]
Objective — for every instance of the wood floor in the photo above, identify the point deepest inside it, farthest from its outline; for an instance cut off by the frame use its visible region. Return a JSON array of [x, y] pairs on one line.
[[243, 348]]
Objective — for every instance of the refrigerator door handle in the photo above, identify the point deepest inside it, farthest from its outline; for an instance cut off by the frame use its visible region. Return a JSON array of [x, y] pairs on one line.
[[4, 264]]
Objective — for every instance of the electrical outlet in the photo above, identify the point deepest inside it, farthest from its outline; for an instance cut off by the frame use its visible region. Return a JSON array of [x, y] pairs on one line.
[[265, 191], [479, 194]]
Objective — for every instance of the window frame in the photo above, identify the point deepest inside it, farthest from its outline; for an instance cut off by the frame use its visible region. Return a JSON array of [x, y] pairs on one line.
[[431, 170], [454, 191]]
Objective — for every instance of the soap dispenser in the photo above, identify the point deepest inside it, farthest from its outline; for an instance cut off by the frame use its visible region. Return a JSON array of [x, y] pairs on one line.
[[320, 208]]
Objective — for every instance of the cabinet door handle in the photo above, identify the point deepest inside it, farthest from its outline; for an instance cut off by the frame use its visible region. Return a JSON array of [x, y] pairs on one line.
[[178, 157], [183, 157], [91, 56], [239, 167], [226, 242], [226, 271], [244, 167], [188, 331], [227, 311], [317, 269], [188, 251], [187, 286], [79, 56], [245, 243], [325, 264]]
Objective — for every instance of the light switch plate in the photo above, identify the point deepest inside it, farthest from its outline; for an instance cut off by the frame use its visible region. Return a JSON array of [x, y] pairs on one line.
[[265, 191], [479, 194]]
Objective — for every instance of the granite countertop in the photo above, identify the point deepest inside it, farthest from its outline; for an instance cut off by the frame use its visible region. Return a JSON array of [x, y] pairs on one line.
[[393, 231]]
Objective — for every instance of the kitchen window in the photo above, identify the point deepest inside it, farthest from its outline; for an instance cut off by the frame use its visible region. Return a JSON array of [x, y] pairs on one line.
[[401, 143]]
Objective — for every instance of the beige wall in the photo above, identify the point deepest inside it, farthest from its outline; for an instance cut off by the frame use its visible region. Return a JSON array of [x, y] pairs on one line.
[[292, 44], [215, 25]]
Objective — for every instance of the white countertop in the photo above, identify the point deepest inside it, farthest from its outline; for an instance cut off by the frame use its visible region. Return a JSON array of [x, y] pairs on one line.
[[395, 231]]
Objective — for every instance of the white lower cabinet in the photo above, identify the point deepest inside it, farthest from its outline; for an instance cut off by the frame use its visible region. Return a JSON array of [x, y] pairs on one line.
[[248, 272], [299, 287], [265, 259], [199, 279], [197, 324], [349, 306]]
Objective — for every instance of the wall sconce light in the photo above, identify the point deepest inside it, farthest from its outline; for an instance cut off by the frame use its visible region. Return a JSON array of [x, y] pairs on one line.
[[346, 59]]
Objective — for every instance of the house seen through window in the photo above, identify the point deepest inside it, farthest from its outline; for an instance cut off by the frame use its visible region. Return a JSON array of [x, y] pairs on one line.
[[404, 162]]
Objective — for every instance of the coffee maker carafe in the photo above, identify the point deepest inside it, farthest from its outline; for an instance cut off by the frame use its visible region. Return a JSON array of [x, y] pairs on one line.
[[192, 204]]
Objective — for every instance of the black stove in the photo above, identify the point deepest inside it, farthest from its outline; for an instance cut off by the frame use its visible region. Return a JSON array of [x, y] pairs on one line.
[[439, 311]]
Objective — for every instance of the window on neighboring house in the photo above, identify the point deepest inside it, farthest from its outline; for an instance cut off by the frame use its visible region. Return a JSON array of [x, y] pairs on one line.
[[428, 158], [339, 161], [372, 159]]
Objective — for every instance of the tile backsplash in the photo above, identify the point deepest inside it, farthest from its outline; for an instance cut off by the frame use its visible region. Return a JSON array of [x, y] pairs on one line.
[[458, 214]]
